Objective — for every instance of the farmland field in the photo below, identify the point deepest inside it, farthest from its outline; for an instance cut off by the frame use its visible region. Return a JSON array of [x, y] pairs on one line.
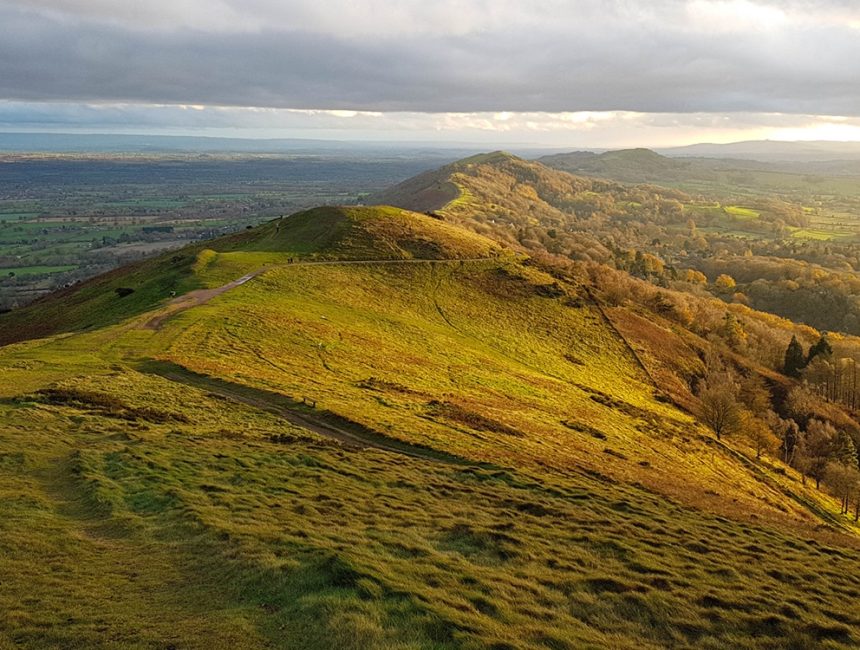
[[64, 218]]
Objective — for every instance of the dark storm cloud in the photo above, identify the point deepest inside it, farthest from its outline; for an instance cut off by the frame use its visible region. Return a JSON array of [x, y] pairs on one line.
[[667, 57]]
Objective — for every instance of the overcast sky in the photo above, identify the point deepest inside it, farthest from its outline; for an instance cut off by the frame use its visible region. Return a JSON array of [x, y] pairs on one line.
[[569, 73]]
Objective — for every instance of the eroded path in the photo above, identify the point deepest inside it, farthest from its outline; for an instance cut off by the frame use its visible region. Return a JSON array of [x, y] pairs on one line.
[[194, 298], [323, 423]]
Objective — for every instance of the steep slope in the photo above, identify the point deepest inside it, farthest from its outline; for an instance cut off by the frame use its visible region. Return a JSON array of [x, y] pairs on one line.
[[366, 449], [532, 207]]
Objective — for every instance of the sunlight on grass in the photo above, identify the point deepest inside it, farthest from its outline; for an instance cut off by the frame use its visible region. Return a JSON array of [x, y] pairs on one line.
[[515, 480]]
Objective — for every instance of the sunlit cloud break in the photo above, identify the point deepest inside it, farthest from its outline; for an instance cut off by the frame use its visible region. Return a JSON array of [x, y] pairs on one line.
[[565, 129]]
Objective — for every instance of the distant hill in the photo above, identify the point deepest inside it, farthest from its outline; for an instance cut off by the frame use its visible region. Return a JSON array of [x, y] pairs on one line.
[[723, 170], [771, 151], [626, 165]]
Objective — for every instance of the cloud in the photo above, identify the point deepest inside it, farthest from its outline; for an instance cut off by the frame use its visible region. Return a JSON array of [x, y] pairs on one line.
[[491, 129], [450, 56]]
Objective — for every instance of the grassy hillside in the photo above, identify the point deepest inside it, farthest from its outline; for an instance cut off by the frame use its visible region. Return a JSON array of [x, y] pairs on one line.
[[366, 449], [317, 234]]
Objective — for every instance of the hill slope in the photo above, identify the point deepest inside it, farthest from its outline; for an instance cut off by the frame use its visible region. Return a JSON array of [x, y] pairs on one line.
[[327, 233], [363, 449]]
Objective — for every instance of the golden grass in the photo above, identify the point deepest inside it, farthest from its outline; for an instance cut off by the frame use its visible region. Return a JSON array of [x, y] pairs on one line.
[[553, 500]]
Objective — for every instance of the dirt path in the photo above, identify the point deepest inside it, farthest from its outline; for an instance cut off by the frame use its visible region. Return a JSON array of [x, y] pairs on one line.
[[288, 409], [201, 296], [194, 298]]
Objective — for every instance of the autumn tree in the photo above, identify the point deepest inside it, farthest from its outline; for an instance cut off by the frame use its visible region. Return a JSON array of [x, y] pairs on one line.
[[694, 277], [725, 282], [758, 433], [732, 330], [719, 408], [816, 449]]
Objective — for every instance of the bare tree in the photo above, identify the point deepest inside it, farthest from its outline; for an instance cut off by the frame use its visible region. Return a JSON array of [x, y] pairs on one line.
[[719, 408]]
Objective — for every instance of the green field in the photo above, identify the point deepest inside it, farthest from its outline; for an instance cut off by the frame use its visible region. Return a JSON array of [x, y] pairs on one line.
[[812, 233], [17, 216], [35, 270], [740, 213]]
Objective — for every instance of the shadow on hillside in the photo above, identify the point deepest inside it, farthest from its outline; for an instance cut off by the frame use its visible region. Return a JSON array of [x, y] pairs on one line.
[[303, 413]]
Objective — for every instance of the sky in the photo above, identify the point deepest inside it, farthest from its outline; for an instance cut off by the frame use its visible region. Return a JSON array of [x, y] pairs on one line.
[[565, 73]]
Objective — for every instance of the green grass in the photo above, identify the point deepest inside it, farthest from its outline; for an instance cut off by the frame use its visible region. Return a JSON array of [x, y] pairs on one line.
[[36, 270], [123, 533], [815, 234], [741, 213], [366, 233], [540, 494]]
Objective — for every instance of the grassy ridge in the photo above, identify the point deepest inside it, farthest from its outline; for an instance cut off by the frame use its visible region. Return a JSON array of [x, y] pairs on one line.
[[321, 233], [146, 510]]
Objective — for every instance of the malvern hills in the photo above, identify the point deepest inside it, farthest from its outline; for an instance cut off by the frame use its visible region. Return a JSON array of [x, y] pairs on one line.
[[476, 419]]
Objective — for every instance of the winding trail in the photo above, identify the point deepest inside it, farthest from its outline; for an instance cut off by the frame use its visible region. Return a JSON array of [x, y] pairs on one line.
[[194, 298]]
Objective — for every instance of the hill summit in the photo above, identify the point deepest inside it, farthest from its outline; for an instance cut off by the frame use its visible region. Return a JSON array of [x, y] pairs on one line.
[[363, 233]]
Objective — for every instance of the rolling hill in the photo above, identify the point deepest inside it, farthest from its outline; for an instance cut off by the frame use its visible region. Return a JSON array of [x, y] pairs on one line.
[[726, 172], [530, 206], [312, 235], [626, 165], [372, 428]]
